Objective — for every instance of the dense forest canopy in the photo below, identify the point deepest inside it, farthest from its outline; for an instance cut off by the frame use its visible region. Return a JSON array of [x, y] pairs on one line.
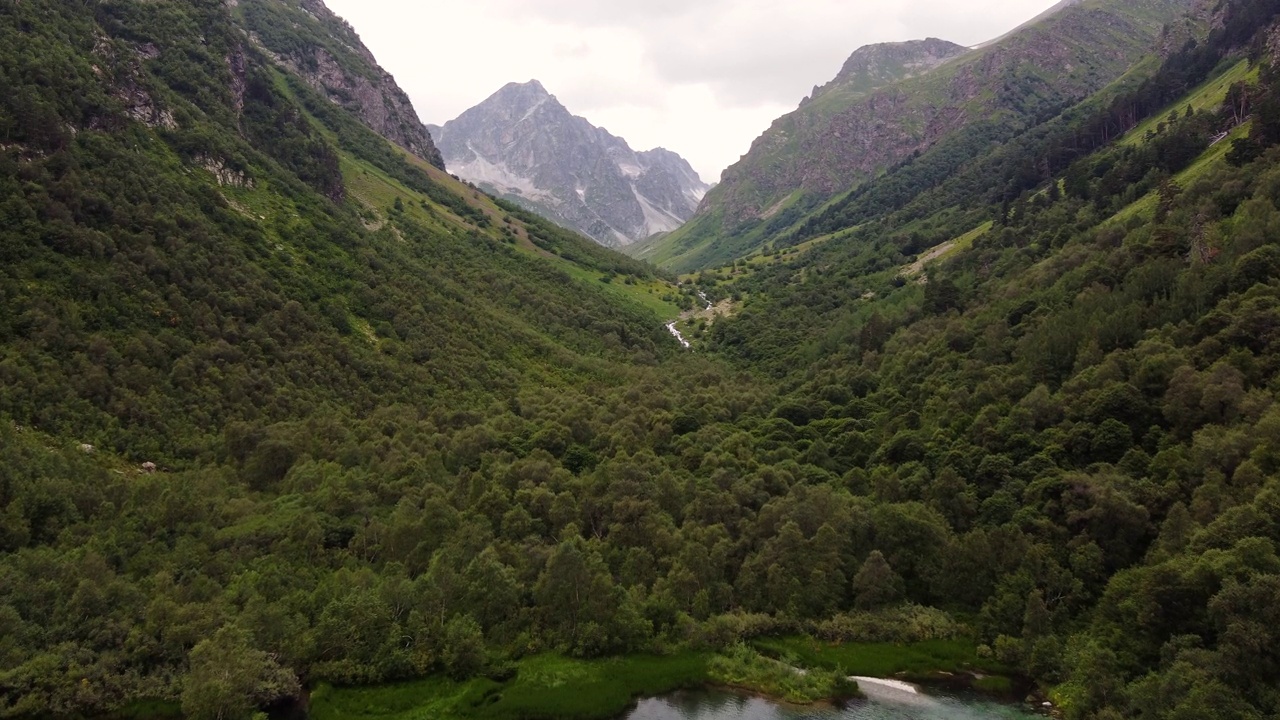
[[402, 430]]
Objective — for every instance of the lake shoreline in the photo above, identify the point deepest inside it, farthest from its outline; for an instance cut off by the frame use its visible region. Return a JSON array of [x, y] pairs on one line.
[[720, 703], [746, 691], [602, 689], [555, 686]]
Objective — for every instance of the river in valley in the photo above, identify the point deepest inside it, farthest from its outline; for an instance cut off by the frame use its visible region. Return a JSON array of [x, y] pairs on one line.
[[886, 700], [671, 328]]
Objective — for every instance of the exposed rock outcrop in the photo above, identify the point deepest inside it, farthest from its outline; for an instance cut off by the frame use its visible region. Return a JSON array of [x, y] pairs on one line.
[[128, 86], [345, 72], [226, 175]]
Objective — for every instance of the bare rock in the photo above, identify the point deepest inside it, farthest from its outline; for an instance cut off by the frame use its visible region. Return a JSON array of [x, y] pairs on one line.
[[352, 79], [523, 144], [226, 175]]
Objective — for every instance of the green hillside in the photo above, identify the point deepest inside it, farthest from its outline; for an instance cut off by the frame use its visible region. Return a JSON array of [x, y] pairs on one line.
[[950, 116], [291, 421], [255, 268]]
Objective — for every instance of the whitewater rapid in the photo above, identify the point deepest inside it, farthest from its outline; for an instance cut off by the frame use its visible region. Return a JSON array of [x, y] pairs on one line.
[[678, 336]]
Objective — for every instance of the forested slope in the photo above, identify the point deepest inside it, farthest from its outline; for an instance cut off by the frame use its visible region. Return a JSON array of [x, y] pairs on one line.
[[256, 254], [1086, 392], [405, 431], [947, 116]]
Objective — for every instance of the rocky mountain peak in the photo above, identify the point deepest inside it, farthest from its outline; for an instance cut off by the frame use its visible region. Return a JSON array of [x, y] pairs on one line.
[[516, 95], [533, 87], [524, 144], [874, 66], [912, 56]]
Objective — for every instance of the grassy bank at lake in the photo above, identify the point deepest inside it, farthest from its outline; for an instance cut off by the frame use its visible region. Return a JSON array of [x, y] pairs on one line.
[[921, 660], [545, 687], [743, 668], [554, 687]]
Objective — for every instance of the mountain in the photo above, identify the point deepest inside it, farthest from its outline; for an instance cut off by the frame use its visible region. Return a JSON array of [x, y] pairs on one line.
[[293, 422], [875, 66], [253, 201], [881, 112], [522, 144], [211, 255]]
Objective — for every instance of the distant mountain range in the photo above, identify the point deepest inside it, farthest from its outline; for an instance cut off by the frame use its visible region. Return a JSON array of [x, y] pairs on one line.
[[523, 144]]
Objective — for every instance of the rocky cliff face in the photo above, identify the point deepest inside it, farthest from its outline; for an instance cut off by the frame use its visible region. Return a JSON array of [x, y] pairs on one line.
[[522, 143], [336, 63], [892, 101]]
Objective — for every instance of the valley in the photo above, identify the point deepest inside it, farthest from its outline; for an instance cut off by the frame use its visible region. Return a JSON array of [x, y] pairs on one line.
[[981, 413]]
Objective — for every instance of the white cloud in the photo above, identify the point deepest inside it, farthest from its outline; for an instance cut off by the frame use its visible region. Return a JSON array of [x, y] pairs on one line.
[[701, 77]]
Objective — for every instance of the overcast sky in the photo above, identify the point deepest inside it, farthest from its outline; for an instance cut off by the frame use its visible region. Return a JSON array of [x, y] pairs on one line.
[[701, 77]]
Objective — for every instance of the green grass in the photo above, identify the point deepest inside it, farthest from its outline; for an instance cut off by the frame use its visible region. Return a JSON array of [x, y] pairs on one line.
[[645, 293], [1208, 96], [1211, 157], [546, 687], [703, 243], [883, 659], [947, 249], [794, 251], [727, 276], [744, 668], [427, 699], [966, 241], [671, 251], [553, 687], [378, 191], [148, 710]]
